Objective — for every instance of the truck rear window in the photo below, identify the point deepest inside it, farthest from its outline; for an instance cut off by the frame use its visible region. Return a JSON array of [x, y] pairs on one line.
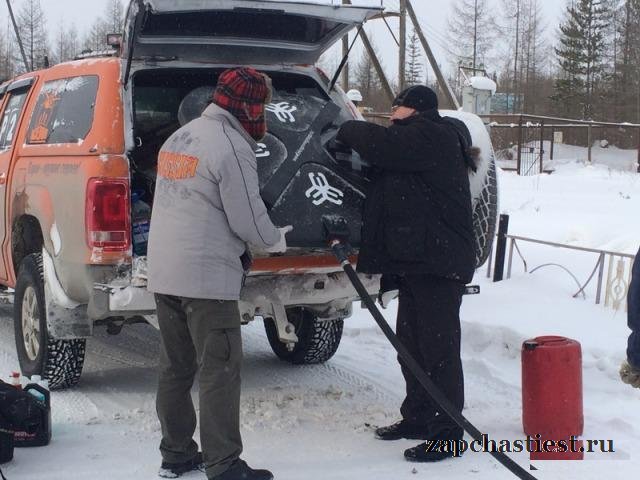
[[64, 111]]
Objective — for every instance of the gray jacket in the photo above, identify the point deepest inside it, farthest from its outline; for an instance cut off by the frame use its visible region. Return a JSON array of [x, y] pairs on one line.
[[207, 208]]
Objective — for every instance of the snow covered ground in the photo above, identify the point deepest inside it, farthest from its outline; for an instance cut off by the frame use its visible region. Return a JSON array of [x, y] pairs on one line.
[[312, 422], [612, 157]]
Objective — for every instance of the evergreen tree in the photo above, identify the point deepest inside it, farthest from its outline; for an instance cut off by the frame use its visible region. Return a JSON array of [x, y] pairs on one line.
[[414, 68], [628, 61], [581, 57]]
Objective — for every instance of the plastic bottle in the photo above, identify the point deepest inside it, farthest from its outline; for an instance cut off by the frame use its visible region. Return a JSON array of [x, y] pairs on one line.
[[16, 381], [140, 223], [37, 379]]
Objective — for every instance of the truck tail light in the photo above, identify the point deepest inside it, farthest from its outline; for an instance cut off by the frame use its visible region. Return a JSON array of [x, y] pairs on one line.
[[108, 219]]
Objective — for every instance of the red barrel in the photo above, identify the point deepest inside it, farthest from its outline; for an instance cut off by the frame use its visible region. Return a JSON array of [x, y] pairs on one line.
[[552, 387]]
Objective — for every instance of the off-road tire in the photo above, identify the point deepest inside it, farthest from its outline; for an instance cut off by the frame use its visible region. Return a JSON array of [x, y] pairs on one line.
[[318, 340], [485, 216], [58, 361]]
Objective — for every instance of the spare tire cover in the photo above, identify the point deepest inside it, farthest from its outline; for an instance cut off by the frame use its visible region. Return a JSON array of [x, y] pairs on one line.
[[194, 104]]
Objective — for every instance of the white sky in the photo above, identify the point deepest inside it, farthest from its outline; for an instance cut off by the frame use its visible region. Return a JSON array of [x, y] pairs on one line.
[[433, 15]]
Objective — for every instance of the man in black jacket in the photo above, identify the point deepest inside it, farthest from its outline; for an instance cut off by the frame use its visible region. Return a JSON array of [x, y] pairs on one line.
[[417, 232]]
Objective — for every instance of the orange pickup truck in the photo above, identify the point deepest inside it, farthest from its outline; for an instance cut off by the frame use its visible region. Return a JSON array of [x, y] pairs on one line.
[[78, 138]]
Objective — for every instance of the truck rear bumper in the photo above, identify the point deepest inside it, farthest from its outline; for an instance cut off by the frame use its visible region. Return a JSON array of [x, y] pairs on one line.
[[329, 295]]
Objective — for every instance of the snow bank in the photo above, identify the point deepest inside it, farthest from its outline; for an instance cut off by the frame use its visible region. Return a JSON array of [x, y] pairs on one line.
[[588, 206]]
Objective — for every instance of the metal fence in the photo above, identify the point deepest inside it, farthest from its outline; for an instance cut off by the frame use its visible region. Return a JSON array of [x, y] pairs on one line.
[[611, 270], [527, 143]]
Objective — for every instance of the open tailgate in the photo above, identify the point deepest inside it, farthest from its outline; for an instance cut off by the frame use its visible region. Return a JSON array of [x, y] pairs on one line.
[[237, 31]]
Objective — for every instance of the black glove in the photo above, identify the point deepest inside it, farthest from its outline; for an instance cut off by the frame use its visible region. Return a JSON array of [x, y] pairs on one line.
[[389, 289], [335, 146], [341, 152]]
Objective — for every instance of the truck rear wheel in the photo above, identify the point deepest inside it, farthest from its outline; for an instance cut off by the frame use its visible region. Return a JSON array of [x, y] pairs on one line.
[[58, 361], [318, 340]]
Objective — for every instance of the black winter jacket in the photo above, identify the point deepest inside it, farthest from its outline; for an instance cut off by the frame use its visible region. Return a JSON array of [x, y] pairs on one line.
[[418, 215]]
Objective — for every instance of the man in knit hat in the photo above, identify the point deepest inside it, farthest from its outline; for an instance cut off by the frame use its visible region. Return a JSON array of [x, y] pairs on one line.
[[418, 233], [207, 209]]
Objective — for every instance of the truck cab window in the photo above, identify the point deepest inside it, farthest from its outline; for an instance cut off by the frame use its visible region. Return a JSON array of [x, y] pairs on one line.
[[10, 118], [64, 111]]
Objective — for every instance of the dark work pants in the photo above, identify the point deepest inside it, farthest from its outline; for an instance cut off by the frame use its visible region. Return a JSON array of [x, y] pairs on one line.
[[200, 335], [633, 314], [429, 326]]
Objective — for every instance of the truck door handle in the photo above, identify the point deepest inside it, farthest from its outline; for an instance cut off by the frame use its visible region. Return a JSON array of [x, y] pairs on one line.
[[3, 178]]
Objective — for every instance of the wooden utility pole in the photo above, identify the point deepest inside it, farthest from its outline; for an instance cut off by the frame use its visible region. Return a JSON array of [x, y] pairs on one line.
[[15, 27], [345, 52], [444, 85], [402, 57]]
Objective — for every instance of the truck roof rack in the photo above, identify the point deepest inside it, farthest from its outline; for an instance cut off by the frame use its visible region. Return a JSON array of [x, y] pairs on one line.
[[97, 54]]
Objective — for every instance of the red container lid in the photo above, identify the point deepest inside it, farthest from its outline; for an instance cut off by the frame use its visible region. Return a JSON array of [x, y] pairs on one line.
[[552, 341]]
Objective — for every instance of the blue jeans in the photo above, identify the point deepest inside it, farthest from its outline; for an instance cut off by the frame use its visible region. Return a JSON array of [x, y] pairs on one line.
[[633, 308]]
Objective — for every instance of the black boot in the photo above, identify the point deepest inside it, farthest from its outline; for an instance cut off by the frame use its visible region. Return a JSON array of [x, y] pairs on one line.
[[402, 429], [441, 444], [239, 470], [175, 470]]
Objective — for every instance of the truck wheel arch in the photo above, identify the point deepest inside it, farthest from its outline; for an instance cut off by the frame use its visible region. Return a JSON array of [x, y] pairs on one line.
[[26, 238], [32, 216]]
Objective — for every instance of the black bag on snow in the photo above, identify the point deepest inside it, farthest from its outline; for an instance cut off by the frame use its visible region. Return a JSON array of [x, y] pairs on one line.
[[19, 412], [6, 441]]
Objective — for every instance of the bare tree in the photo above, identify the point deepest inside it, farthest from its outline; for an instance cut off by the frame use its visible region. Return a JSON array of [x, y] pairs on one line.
[[367, 81], [111, 21], [470, 32], [32, 27], [114, 16], [524, 54], [67, 43], [95, 39], [6, 55]]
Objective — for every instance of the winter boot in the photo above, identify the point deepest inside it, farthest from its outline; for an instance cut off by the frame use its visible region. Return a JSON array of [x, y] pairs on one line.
[[441, 444], [239, 470], [402, 429], [429, 452], [176, 470]]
